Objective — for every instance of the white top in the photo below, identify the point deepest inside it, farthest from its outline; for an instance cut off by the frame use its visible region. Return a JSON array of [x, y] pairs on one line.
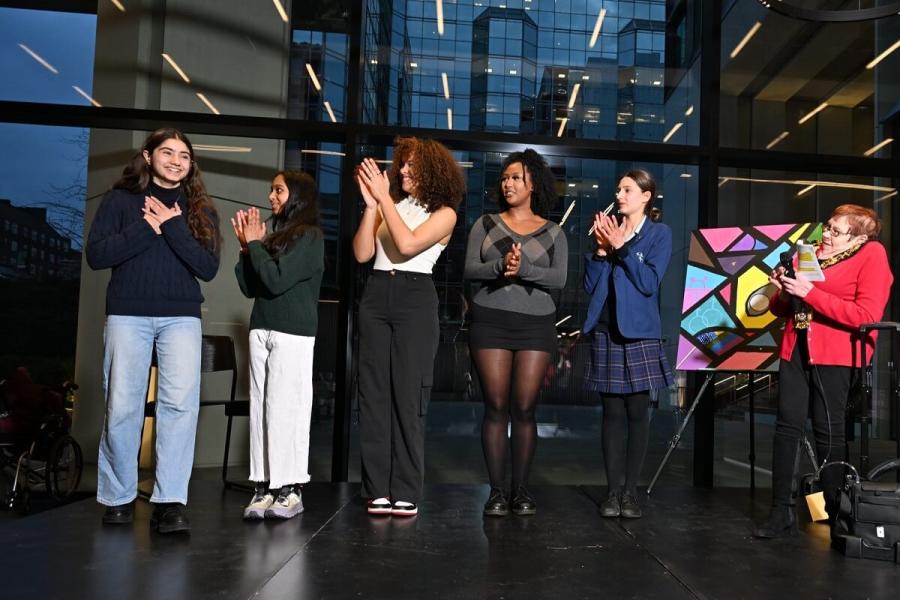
[[637, 229], [387, 257]]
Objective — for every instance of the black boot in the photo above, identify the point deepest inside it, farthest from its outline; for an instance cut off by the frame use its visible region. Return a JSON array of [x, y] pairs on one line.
[[782, 522]]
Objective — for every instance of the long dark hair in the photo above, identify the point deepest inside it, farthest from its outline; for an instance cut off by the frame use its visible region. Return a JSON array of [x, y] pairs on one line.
[[543, 194], [299, 215], [647, 183], [202, 216]]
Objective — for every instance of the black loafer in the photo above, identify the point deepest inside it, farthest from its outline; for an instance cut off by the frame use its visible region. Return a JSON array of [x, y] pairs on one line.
[[496, 505], [170, 518], [522, 503], [118, 515], [630, 507], [611, 508]]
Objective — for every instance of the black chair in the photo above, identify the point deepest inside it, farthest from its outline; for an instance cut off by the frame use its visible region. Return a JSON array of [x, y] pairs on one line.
[[216, 355]]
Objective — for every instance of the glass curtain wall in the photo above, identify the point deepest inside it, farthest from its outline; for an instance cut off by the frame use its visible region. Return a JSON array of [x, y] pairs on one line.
[[595, 85]]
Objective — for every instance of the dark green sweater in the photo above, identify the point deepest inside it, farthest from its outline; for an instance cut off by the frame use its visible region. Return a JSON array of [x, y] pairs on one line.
[[285, 289]]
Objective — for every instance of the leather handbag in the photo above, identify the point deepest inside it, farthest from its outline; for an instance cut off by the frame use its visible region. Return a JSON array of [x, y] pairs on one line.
[[868, 520]]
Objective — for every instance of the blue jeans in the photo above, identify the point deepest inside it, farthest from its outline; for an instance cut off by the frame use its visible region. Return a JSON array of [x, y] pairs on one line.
[[128, 348]]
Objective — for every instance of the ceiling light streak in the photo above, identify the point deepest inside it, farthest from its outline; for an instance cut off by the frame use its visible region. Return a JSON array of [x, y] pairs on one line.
[[86, 96], [38, 58], [175, 66], [208, 104], [562, 127], [833, 184], [563, 320], [449, 118], [746, 39], [439, 5], [280, 9], [446, 85], [596, 33], [221, 148], [806, 189], [878, 147], [330, 112], [672, 131], [883, 55], [574, 95], [812, 113], [325, 152], [118, 5], [312, 76], [886, 196], [777, 140], [566, 215], [689, 111]]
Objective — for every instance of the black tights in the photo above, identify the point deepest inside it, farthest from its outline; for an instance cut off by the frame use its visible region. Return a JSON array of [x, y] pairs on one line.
[[497, 369], [629, 411]]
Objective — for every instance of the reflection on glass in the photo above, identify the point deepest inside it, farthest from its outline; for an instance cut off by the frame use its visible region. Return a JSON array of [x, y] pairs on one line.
[[586, 69]]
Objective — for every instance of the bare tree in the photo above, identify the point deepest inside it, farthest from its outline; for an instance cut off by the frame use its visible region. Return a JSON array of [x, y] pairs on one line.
[[65, 212]]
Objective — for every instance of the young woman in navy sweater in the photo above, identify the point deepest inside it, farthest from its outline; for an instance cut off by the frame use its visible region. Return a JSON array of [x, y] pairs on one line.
[[627, 360], [158, 231]]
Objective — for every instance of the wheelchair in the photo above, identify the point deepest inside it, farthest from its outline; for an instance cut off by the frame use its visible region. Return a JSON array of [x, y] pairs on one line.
[[36, 450]]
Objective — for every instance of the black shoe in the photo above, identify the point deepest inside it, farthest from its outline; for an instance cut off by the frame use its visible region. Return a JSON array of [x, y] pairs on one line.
[[522, 502], [630, 507], [611, 508], [497, 504], [119, 515], [782, 522], [170, 518]]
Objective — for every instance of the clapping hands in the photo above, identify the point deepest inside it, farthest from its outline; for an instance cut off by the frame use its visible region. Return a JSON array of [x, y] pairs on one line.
[[513, 260], [608, 233], [374, 184], [248, 227]]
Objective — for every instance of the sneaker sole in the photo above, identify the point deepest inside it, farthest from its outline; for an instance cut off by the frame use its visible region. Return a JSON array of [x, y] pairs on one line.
[[378, 510], [254, 514], [399, 512], [277, 513]]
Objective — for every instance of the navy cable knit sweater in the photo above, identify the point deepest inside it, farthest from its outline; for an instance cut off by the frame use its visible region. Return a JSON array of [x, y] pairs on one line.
[[152, 275]]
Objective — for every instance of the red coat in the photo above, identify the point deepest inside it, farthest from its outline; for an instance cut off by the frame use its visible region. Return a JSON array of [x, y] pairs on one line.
[[855, 292]]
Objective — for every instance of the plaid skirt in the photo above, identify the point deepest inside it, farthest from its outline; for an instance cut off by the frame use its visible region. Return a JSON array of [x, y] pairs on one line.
[[627, 367]]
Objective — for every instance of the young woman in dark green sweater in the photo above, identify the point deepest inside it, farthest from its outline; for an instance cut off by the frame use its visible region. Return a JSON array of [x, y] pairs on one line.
[[282, 272]]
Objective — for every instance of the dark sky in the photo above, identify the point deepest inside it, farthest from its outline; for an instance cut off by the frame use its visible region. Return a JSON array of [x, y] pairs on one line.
[[37, 158]]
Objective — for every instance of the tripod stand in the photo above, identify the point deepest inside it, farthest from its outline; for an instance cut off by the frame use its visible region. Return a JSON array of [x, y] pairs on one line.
[[673, 443]]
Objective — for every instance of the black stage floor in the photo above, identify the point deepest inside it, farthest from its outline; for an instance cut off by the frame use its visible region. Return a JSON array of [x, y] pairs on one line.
[[690, 544]]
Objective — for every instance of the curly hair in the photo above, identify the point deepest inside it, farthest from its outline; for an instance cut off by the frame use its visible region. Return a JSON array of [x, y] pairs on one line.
[[437, 178], [202, 216], [862, 220], [543, 194], [647, 183], [299, 215]]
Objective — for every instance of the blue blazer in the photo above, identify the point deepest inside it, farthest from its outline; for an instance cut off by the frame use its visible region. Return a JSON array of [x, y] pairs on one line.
[[637, 272]]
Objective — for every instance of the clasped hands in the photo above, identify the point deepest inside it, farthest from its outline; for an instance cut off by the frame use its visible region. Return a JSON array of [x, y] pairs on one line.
[[512, 260], [798, 286], [156, 213], [248, 226], [374, 184], [608, 233]]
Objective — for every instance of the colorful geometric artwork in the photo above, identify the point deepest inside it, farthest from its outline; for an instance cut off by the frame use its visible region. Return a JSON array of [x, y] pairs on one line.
[[725, 319]]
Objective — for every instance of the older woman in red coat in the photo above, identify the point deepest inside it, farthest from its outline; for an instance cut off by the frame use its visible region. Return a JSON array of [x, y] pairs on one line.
[[817, 356]]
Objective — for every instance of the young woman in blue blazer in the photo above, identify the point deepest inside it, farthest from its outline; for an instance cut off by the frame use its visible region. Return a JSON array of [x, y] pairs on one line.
[[627, 360]]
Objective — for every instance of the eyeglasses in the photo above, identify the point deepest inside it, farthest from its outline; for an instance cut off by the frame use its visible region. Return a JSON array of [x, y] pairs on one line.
[[829, 228]]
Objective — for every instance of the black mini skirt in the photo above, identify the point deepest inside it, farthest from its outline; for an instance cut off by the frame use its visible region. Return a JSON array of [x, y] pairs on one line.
[[507, 330]]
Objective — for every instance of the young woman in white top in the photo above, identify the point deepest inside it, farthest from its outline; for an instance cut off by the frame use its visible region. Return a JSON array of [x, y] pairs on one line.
[[410, 213]]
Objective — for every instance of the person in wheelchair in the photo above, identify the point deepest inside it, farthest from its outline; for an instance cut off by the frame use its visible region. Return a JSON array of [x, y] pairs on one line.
[[817, 357]]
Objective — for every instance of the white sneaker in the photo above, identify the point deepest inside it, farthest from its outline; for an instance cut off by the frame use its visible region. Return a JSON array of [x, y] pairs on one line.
[[261, 501], [289, 503], [404, 509], [379, 506]]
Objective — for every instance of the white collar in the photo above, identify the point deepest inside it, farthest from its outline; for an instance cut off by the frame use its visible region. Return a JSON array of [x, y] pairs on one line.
[[637, 229]]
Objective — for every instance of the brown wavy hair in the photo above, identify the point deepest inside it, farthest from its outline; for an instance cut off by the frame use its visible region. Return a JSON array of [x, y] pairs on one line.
[[202, 216], [647, 183], [438, 179], [862, 220]]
